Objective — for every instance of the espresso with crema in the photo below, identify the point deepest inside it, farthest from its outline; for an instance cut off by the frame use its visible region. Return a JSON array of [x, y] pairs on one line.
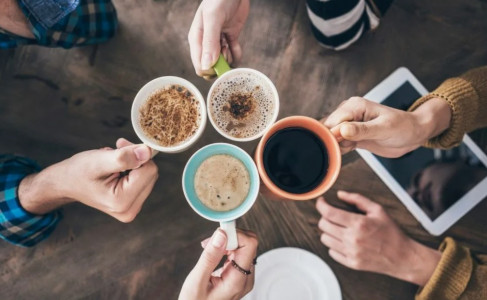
[[222, 182], [243, 105]]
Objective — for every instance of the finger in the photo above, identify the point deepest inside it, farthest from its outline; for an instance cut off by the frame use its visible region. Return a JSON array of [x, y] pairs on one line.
[[336, 133], [195, 39], [342, 114], [212, 26], [244, 257], [205, 242], [335, 215], [338, 257], [247, 232], [359, 131], [121, 142], [236, 50], [330, 228], [361, 202], [135, 207], [105, 163], [137, 185], [211, 256], [347, 146], [332, 243], [389, 152], [249, 283]]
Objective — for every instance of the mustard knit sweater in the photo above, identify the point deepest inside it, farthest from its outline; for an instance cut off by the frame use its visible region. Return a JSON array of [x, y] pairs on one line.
[[460, 274]]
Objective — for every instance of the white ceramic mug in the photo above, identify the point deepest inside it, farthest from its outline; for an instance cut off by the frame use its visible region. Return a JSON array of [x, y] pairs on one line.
[[143, 95]]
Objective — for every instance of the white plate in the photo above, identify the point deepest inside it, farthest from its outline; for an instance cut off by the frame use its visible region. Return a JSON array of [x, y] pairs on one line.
[[292, 273]]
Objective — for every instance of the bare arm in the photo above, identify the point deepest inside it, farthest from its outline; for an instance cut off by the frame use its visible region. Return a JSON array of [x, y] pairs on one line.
[[13, 20]]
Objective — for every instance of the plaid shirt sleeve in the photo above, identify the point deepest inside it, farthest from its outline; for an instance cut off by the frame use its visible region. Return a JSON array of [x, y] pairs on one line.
[[91, 22], [18, 226]]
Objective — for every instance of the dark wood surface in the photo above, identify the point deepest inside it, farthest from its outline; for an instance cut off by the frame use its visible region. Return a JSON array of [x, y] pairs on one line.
[[54, 103]]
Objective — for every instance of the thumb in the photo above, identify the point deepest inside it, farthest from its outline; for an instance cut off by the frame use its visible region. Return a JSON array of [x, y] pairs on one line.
[[123, 159], [211, 256], [212, 26], [359, 131]]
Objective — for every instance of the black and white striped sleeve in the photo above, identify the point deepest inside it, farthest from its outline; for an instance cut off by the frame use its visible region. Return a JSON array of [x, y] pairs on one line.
[[337, 24]]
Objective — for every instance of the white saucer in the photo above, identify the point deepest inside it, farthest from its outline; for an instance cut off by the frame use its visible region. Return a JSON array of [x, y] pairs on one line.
[[292, 273]]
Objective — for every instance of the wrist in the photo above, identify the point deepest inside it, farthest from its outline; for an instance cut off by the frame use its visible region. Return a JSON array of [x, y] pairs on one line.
[[432, 118], [422, 262], [39, 193]]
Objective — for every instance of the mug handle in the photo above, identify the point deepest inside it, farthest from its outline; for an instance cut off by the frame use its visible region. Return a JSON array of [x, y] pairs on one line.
[[221, 66], [231, 232]]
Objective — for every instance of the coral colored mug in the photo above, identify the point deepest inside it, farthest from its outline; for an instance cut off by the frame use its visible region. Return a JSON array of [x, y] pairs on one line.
[[269, 189]]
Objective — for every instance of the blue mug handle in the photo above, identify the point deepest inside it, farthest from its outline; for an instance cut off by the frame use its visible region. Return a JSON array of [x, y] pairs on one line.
[[231, 231]]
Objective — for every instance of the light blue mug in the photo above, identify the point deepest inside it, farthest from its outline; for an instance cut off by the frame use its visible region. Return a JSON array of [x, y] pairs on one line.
[[226, 218]]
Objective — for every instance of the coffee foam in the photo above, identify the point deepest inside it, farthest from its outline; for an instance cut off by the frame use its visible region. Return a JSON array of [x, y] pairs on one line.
[[254, 123], [170, 116], [222, 182]]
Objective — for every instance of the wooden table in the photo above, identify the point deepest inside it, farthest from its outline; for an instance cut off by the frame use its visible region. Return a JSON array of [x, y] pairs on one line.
[[54, 103]]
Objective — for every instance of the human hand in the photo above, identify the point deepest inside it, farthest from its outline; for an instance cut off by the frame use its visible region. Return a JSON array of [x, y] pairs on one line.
[[386, 131], [216, 28], [373, 242], [95, 178], [203, 283], [13, 20]]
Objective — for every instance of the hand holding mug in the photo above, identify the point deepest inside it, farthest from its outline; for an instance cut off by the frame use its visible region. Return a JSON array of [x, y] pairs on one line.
[[213, 20], [203, 283], [373, 242], [94, 178], [387, 131]]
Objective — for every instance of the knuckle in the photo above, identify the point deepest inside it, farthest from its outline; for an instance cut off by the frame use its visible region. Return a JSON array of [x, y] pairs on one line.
[[354, 240], [127, 217], [253, 242], [356, 263], [119, 207], [355, 99], [361, 225]]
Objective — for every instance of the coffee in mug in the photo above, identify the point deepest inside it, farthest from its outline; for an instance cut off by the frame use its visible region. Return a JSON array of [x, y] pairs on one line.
[[170, 116], [242, 104], [222, 182], [296, 160]]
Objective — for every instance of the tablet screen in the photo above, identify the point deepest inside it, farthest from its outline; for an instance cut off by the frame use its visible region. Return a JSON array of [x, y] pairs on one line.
[[435, 179]]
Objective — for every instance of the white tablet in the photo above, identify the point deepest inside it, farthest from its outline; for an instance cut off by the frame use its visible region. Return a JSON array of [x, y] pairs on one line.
[[437, 186]]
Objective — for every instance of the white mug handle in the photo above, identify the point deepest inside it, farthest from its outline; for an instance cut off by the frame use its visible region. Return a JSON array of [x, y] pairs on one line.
[[231, 232], [154, 153]]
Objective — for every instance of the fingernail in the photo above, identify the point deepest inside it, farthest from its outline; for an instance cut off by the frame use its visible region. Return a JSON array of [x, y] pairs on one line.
[[340, 192], [206, 61], [142, 153], [218, 239]]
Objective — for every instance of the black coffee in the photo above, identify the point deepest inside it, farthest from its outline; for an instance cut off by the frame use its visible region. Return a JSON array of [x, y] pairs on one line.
[[296, 160]]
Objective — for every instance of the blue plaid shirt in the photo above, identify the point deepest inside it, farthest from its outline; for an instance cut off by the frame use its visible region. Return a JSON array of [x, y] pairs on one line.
[[18, 226], [65, 23]]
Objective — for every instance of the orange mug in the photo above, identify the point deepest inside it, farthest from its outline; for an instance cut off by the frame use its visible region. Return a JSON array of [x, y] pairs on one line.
[[269, 189]]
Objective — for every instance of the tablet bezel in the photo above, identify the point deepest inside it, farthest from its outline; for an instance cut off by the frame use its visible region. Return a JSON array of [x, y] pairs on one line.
[[457, 210]]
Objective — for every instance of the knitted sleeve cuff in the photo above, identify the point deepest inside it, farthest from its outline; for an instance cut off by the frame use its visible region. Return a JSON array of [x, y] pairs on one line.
[[463, 101], [451, 276]]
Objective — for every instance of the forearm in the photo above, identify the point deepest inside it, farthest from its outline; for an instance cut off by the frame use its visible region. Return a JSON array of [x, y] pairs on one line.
[[13, 20], [432, 118], [458, 275], [40, 193], [421, 263], [467, 97]]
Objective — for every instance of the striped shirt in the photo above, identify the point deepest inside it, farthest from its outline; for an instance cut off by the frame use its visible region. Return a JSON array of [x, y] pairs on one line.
[[337, 24]]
